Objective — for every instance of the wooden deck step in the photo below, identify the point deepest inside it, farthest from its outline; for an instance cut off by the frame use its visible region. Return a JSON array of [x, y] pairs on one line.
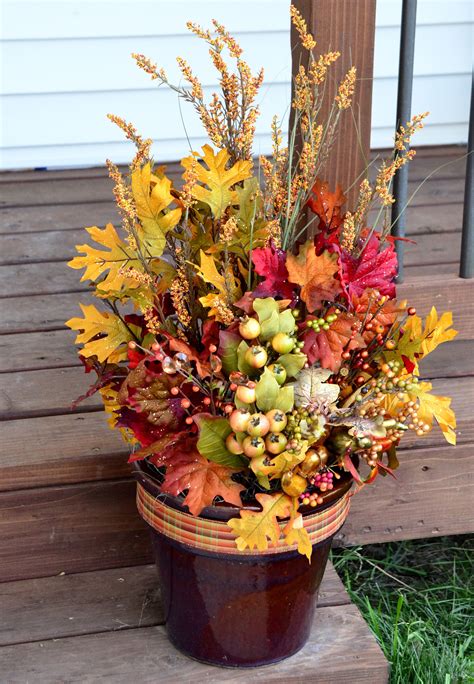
[[108, 626]]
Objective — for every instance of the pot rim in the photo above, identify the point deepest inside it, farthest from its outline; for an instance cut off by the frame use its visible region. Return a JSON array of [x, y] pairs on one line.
[[224, 511]]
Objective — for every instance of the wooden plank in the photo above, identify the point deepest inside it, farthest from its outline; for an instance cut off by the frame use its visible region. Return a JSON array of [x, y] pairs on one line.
[[53, 277], [50, 246], [81, 527], [32, 351], [442, 218], [72, 448], [94, 191], [101, 601], [448, 292], [73, 528], [431, 285], [56, 349], [427, 158], [432, 496], [39, 312], [57, 217], [65, 449], [44, 392], [51, 392], [340, 649], [50, 278], [84, 603]]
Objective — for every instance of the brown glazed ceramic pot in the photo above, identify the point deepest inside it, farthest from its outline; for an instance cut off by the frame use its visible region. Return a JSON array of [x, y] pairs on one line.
[[236, 610]]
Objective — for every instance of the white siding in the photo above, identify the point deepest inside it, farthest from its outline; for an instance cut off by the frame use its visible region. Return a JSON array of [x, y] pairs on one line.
[[65, 64]]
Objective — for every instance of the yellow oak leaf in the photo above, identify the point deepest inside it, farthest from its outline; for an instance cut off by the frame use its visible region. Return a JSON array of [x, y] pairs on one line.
[[435, 407], [314, 274], [114, 334], [209, 273], [295, 533], [225, 283], [152, 195], [258, 528], [437, 330], [416, 342], [215, 182], [117, 255]]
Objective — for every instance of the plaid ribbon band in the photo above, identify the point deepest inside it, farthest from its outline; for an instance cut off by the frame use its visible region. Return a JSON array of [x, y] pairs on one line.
[[214, 535]]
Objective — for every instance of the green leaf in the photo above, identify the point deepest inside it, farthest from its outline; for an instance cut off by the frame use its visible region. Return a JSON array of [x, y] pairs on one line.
[[286, 399], [242, 363], [265, 308], [228, 345], [286, 322], [292, 363], [267, 391], [269, 327], [213, 432]]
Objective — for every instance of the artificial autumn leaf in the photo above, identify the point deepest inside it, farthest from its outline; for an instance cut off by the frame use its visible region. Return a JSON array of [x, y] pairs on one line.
[[250, 200], [148, 392], [374, 268], [218, 179], [295, 533], [113, 260], [311, 388], [367, 307], [162, 450], [437, 330], [258, 528], [314, 274], [152, 196], [327, 346], [114, 334], [435, 407], [327, 205], [208, 272], [203, 479], [270, 263], [213, 431]]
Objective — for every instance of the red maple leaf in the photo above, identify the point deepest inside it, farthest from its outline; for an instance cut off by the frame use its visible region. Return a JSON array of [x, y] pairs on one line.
[[162, 450], [327, 346], [270, 263], [203, 479], [374, 268], [327, 205]]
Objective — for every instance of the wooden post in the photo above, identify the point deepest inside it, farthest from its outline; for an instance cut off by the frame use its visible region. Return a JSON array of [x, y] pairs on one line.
[[349, 27]]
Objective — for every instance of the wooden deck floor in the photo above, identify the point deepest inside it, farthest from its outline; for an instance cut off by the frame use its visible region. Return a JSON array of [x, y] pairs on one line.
[[107, 626], [66, 497]]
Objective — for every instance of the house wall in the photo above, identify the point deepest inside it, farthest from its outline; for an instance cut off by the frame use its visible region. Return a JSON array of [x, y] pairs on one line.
[[65, 64]]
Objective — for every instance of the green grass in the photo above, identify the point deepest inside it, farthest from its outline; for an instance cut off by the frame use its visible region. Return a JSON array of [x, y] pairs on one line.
[[418, 599]]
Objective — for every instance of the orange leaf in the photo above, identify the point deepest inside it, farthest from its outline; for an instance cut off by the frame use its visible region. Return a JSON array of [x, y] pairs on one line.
[[314, 274], [327, 205], [203, 479]]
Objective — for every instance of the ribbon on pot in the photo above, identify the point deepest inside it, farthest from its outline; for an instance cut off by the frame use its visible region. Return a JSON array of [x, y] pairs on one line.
[[216, 535]]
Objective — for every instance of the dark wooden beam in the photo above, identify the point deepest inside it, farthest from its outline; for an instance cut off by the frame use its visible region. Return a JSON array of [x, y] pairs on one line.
[[349, 27]]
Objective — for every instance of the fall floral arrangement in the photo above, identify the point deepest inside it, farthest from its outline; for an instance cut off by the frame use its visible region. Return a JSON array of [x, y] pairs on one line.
[[245, 361]]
